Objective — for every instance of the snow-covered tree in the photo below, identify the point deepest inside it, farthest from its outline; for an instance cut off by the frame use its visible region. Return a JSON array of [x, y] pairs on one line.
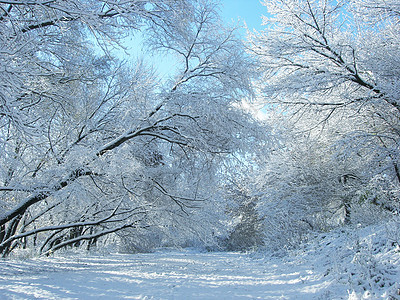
[[90, 146], [332, 68]]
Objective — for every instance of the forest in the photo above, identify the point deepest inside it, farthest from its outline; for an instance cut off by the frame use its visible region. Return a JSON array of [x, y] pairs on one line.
[[252, 144]]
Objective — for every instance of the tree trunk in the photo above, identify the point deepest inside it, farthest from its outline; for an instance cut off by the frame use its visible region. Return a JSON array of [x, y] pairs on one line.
[[7, 231]]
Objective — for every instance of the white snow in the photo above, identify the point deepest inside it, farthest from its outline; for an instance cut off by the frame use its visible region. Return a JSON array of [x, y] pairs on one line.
[[340, 265], [162, 275]]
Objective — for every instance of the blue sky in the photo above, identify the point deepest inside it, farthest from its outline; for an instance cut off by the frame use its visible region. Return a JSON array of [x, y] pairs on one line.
[[249, 11]]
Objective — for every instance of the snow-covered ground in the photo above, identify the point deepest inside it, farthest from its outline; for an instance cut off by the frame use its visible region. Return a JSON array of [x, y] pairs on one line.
[[168, 275], [341, 265]]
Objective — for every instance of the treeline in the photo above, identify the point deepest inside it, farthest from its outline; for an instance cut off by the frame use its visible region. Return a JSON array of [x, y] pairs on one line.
[[97, 152]]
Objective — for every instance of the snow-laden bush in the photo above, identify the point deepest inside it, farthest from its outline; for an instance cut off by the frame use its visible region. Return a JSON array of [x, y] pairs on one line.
[[382, 192], [248, 233], [364, 261], [372, 272]]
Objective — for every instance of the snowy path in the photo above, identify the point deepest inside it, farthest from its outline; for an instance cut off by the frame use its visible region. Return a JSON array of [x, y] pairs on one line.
[[165, 275]]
